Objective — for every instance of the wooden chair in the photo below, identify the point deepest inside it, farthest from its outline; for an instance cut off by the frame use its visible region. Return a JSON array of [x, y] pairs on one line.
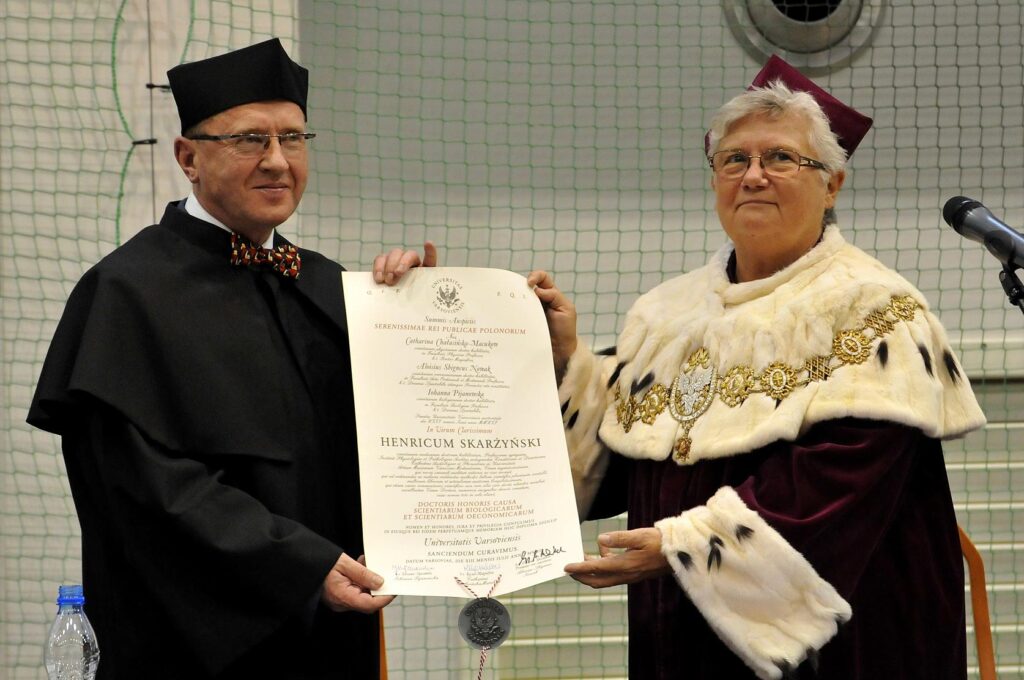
[[979, 607]]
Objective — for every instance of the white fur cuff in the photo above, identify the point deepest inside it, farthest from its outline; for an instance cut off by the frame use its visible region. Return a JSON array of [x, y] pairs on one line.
[[583, 397], [757, 592]]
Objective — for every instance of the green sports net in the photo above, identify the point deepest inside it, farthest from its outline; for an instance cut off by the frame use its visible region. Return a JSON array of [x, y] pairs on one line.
[[516, 134]]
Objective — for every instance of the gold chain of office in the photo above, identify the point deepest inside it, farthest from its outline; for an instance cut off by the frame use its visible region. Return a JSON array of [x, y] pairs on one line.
[[699, 383]]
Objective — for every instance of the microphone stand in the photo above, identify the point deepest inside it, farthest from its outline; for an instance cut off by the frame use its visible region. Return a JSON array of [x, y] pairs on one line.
[[1012, 285]]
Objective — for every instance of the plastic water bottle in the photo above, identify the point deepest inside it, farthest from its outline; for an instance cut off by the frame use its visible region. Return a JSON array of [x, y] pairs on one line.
[[71, 651]]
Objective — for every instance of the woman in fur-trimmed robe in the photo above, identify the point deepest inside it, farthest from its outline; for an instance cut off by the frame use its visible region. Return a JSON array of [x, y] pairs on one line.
[[772, 423]]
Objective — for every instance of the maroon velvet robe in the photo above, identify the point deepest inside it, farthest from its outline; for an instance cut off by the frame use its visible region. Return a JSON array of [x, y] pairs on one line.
[[866, 502]]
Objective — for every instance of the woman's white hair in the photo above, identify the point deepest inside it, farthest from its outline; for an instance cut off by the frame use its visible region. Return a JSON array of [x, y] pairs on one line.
[[776, 100]]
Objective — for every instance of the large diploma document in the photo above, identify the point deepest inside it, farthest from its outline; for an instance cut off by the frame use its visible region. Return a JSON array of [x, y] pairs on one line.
[[462, 457]]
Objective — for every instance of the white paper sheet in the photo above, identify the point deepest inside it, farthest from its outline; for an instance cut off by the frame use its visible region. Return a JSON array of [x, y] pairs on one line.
[[462, 457]]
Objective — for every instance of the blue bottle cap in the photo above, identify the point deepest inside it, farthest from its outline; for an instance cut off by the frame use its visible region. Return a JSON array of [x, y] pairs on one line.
[[70, 595]]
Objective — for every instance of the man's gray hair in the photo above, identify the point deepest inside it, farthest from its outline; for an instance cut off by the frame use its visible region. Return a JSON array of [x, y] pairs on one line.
[[776, 100]]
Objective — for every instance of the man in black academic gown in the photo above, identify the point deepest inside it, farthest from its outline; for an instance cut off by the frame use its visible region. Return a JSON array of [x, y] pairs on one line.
[[200, 381]]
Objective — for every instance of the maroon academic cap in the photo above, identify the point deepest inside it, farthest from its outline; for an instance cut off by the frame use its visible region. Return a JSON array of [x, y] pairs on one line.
[[849, 125], [260, 72]]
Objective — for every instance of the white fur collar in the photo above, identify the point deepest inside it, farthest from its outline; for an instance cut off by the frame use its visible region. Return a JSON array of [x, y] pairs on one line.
[[835, 334]]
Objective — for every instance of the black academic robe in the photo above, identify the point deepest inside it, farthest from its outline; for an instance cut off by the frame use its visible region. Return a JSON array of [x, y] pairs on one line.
[[208, 432]]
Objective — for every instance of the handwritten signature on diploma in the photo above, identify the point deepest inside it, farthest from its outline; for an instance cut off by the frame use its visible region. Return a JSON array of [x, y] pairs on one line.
[[531, 556]]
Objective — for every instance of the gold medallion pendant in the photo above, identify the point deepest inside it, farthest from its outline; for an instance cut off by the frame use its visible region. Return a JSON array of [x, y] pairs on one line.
[[692, 393]]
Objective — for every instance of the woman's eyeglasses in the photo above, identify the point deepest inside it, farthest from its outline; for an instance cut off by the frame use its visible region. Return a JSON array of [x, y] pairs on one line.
[[733, 163]]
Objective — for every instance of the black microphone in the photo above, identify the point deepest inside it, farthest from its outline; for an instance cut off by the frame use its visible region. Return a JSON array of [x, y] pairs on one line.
[[972, 220]]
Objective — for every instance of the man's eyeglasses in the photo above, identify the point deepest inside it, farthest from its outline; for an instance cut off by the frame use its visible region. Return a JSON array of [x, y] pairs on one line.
[[254, 144], [734, 163]]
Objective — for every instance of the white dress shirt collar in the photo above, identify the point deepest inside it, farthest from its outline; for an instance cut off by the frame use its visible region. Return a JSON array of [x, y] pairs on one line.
[[194, 208]]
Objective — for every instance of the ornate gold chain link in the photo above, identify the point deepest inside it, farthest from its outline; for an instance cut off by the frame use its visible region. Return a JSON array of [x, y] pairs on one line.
[[698, 383]]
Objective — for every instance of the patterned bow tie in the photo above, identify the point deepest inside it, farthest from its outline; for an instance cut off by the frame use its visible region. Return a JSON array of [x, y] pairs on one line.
[[285, 259]]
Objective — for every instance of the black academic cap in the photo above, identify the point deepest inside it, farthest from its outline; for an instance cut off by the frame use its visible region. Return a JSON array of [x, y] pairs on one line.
[[260, 72]]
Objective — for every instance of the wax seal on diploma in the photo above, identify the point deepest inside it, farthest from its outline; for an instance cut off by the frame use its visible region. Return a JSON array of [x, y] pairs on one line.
[[484, 623]]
